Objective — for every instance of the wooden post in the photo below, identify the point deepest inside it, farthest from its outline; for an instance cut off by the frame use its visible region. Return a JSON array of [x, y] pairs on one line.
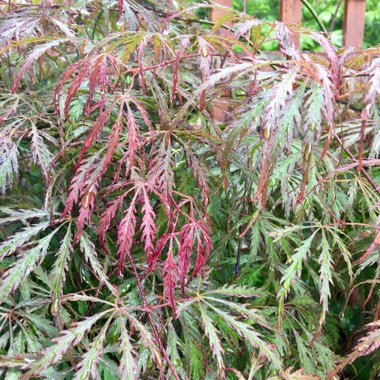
[[291, 13], [353, 23], [220, 108], [217, 13]]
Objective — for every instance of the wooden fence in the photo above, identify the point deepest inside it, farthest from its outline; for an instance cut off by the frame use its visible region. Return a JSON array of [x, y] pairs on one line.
[[291, 13]]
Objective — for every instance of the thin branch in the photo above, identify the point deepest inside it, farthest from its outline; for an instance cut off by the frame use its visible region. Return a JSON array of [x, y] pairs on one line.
[[365, 173], [335, 16], [147, 308], [314, 14]]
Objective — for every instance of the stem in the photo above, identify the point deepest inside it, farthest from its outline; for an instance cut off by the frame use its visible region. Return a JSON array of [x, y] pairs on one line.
[[335, 15], [96, 24], [364, 172], [150, 318], [314, 14]]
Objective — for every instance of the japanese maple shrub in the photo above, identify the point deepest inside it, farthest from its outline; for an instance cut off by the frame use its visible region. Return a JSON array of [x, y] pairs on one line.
[[144, 239]]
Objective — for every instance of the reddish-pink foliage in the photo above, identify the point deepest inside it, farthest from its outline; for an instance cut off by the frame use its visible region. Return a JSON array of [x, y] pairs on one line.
[[143, 176], [148, 227], [93, 134], [192, 234], [85, 211], [170, 276], [107, 217], [186, 247], [98, 69], [125, 234]]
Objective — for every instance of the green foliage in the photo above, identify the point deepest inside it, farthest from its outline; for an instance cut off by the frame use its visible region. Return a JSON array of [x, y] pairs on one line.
[[325, 9]]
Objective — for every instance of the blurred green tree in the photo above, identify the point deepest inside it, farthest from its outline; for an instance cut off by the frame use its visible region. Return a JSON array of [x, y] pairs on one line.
[[269, 10]]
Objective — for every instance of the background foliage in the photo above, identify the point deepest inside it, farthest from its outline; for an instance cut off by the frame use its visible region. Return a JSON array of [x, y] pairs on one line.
[[270, 10], [142, 239]]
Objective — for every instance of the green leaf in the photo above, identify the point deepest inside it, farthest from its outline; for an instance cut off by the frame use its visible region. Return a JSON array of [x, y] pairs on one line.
[[88, 365], [24, 265], [252, 336], [20, 238], [22, 215], [146, 337], [294, 269], [58, 273], [88, 248], [326, 263], [237, 291], [253, 314], [8, 163], [129, 369], [215, 343], [67, 340]]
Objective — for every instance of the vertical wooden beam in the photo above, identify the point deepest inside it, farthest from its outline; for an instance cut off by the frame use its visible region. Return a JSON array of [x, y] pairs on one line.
[[353, 23], [217, 13], [291, 13], [219, 110]]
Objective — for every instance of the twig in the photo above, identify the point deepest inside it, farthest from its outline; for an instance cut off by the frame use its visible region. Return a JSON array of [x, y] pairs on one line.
[[96, 23], [365, 173], [238, 254], [335, 16], [147, 308]]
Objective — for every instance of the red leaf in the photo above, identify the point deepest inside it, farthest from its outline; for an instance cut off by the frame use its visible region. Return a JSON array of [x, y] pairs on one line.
[[113, 142], [107, 217], [65, 76], [284, 38], [121, 7], [184, 253], [331, 55], [140, 53], [170, 277], [143, 112], [126, 233], [148, 226], [193, 232], [74, 87], [204, 246], [160, 245], [81, 182], [161, 168], [85, 211], [93, 134], [98, 70], [134, 140]]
